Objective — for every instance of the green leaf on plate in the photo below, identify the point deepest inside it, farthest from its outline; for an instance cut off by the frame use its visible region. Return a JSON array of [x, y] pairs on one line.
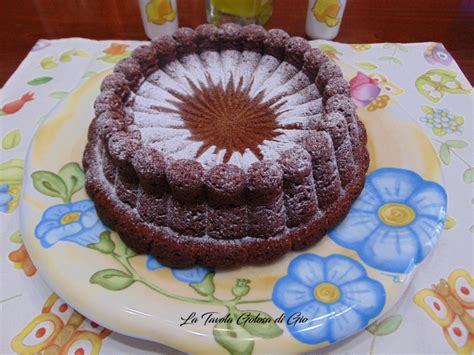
[[233, 338], [385, 327], [122, 249], [112, 279], [50, 184], [105, 244], [58, 94], [366, 65], [73, 177], [205, 287], [458, 144], [445, 154], [11, 139], [48, 63], [16, 237], [2, 113], [89, 74], [40, 80], [449, 223], [468, 176], [267, 329]]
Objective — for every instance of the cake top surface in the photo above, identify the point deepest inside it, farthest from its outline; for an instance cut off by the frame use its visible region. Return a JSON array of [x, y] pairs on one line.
[[226, 96], [233, 94]]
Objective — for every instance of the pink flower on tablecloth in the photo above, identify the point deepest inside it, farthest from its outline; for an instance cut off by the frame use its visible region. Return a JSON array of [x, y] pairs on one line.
[[363, 89]]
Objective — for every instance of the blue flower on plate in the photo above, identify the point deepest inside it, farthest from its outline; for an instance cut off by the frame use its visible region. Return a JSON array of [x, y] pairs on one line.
[[75, 222], [395, 222], [194, 274], [333, 293], [5, 197]]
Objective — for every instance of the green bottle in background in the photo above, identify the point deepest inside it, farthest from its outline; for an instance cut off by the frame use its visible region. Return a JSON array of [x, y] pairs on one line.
[[239, 11]]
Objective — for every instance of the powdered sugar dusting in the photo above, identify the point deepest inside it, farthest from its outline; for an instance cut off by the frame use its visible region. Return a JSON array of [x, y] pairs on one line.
[[283, 88]]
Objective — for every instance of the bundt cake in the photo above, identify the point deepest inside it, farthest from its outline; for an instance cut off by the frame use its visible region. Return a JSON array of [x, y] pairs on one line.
[[224, 146]]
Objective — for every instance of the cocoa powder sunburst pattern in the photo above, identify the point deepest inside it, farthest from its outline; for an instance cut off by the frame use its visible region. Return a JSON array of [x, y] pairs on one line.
[[227, 117]]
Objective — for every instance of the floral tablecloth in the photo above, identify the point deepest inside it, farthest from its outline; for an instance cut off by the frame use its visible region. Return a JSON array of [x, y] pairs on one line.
[[420, 82]]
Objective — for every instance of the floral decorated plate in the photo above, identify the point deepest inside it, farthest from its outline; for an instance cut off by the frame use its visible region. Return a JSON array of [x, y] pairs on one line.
[[304, 301]]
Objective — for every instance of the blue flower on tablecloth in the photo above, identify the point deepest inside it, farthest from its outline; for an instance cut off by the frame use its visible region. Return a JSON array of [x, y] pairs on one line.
[[194, 274], [75, 222], [334, 293], [395, 222], [5, 197]]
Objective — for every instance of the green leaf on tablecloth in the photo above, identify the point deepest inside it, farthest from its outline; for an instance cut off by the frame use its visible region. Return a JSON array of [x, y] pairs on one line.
[[89, 74], [73, 177], [50, 184], [391, 59], [40, 80], [330, 49], [428, 110], [385, 327], [458, 144], [66, 56], [11, 174], [114, 58], [445, 154], [105, 244], [48, 63], [388, 45], [446, 74], [233, 338], [459, 120], [112, 279], [428, 89], [366, 65], [455, 90], [396, 60], [11, 139], [471, 229], [267, 328], [450, 223], [16, 237], [468, 176], [440, 132], [82, 54], [401, 47], [58, 94]]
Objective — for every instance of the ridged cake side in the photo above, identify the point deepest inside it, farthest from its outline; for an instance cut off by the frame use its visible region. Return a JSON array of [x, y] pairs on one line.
[[222, 214]]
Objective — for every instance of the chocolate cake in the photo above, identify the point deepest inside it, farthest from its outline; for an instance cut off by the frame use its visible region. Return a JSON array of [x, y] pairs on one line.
[[224, 146]]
